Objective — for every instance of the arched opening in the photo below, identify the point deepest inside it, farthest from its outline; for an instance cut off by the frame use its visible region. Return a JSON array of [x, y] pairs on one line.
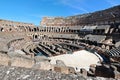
[[10, 29], [30, 51], [30, 29], [36, 36], [35, 29], [113, 42], [1, 29], [59, 30]]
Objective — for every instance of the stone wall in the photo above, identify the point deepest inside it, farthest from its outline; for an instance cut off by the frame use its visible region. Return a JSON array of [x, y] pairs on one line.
[[12, 26], [4, 59], [21, 61], [108, 16], [17, 60]]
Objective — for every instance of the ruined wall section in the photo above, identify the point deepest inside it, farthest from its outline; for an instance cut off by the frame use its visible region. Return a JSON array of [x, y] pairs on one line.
[[104, 17], [12, 26], [18, 60], [4, 59], [16, 40]]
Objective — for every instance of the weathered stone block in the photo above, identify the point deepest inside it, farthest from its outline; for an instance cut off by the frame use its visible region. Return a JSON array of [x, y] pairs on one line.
[[4, 59]]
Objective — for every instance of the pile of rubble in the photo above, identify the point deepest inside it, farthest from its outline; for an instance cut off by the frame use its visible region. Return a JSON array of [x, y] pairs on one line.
[[14, 73]]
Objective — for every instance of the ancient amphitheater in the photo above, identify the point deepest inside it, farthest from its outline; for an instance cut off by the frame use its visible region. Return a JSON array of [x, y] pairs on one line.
[[87, 45]]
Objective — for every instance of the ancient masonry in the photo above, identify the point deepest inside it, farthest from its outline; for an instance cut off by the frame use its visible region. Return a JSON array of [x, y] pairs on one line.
[[29, 46]]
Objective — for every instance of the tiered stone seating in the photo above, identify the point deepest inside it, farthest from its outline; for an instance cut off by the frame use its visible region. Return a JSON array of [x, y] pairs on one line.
[[97, 38]]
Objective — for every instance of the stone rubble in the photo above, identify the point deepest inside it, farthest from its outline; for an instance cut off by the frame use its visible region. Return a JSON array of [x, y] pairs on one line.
[[19, 73]]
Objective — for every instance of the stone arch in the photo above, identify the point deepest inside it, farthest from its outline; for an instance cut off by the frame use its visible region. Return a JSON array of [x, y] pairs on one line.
[[26, 28], [34, 29], [30, 29], [113, 42], [58, 29], [1, 29], [107, 47], [37, 29], [10, 29], [23, 28], [36, 36]]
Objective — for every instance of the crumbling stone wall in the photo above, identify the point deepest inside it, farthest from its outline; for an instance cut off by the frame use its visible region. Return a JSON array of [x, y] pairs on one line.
[[16, 60], [4, 59], [20, 61], [61, 69], [43, 65]]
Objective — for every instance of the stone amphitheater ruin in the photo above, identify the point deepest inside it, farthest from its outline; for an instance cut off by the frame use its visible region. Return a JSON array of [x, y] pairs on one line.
[[86, 45]]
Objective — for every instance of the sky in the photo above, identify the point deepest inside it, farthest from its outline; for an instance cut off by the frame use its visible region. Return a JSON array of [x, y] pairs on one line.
[[32, 11]]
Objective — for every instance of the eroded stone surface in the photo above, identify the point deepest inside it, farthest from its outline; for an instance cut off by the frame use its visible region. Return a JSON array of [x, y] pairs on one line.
[[17, 73]]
